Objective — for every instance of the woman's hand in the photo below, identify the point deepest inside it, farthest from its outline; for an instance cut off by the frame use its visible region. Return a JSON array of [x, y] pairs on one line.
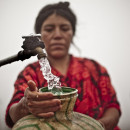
[[40, 104]]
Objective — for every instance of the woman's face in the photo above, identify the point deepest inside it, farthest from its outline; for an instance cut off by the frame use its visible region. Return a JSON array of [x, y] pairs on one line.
[[56, 33]]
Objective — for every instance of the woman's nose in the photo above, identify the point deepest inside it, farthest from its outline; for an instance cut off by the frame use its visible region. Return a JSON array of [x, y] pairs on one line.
[[57, 33]]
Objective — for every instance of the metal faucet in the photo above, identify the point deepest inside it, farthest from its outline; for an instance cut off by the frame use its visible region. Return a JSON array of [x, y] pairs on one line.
[[32, 46]]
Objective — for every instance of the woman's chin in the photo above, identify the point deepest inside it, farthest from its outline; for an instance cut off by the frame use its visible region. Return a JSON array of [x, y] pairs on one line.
[[58, 55]]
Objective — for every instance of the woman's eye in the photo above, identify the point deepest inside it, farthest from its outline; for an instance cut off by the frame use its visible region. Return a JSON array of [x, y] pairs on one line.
[[48, 29], [65, 29]]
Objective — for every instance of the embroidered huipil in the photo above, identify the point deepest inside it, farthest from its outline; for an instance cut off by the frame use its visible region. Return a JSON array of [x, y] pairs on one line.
[[95, 91]]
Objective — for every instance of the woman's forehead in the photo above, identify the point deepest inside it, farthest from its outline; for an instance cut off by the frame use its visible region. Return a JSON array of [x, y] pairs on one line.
[[56, 19]]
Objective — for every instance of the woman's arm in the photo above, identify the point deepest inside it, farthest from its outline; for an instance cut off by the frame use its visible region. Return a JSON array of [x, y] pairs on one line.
[[18, 110], [110, 118]]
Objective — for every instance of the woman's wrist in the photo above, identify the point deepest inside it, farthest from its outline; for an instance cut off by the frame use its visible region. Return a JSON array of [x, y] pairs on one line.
[[23, 106], [18, 110]]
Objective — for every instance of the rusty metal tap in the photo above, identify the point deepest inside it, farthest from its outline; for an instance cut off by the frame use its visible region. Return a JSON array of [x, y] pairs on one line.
[[32, 46]]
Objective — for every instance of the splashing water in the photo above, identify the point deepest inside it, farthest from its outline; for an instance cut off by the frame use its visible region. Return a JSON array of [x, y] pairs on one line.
[[54, 84]]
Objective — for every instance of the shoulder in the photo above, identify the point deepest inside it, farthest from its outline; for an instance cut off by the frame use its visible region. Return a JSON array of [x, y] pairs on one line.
[[84, 60], [92, 64]]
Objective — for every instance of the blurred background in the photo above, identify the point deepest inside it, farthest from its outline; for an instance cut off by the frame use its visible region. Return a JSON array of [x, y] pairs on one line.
[[103, 34]]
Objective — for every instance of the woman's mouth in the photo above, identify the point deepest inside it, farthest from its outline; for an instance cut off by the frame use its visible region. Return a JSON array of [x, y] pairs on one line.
[[57, 46]]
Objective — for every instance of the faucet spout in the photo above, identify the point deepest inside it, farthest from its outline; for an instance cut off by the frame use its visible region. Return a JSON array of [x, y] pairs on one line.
[[40, 52]]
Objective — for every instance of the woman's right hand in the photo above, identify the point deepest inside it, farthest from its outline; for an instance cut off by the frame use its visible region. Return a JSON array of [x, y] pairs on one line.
[[38, 103]]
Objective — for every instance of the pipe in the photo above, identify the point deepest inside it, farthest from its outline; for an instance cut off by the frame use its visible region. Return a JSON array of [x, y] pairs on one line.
[[32, 46]]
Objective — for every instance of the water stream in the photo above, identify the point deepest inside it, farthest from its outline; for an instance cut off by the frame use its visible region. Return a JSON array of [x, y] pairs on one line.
[[54, 84]]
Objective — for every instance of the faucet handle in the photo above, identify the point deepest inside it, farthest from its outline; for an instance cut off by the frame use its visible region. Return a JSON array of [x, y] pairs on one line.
[[32, 35], [32, 41]]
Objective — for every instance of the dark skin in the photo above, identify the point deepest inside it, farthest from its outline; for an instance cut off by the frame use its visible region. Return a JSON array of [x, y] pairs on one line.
[[57, 34]]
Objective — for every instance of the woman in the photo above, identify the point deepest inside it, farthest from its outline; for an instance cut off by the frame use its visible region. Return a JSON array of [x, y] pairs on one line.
[[97, 97]]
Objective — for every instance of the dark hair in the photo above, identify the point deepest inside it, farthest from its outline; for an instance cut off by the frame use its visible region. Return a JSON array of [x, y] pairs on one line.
[[61, 8]]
